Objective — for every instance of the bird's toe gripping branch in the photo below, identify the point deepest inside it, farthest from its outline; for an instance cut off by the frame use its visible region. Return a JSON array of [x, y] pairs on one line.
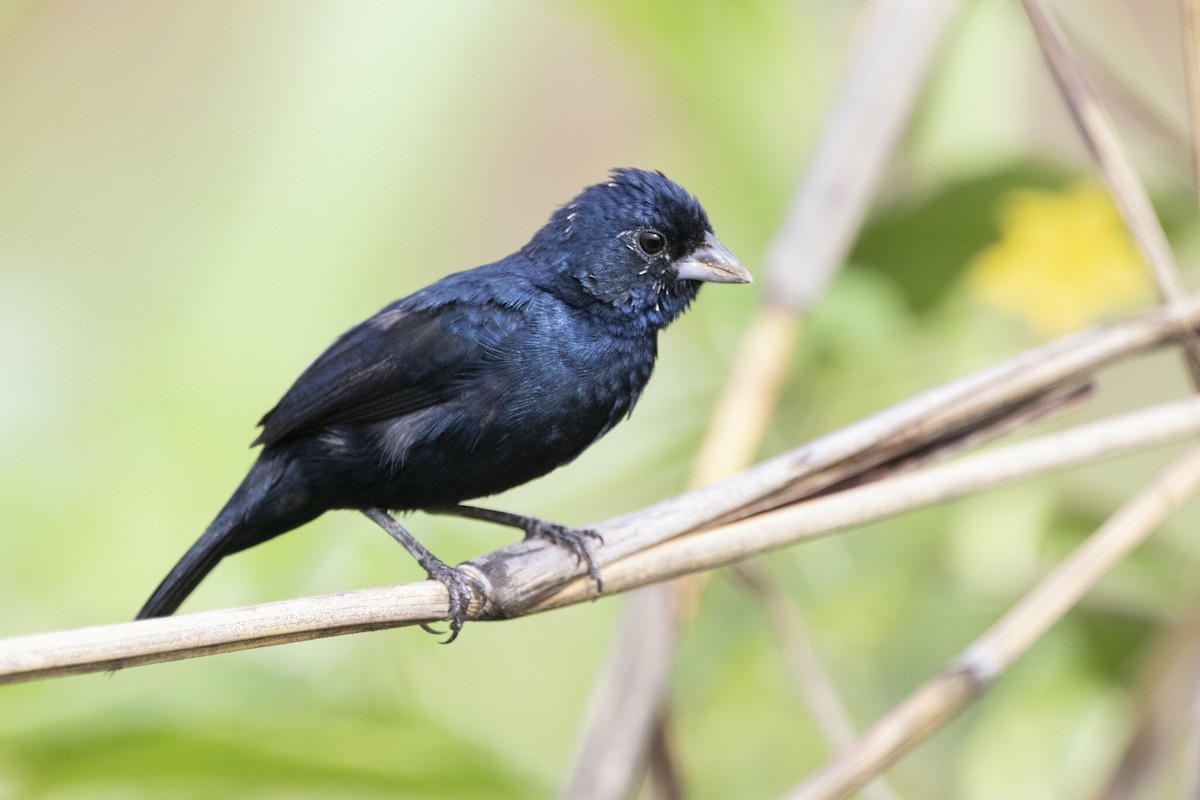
[[461, 586], [575, 540]]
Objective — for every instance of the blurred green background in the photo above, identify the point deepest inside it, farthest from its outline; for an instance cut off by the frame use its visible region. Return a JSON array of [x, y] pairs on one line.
[[195, 198]]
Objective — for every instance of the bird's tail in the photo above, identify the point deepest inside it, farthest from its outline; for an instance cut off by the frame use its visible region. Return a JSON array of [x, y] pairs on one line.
[[270, 501]]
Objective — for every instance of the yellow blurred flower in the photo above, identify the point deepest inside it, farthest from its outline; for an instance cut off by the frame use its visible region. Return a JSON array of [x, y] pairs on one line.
[[1063, 259]]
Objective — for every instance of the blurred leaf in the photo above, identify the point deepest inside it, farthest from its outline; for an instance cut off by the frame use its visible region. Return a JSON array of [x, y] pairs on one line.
[[1064, 260], [297, 754], [924, 245]]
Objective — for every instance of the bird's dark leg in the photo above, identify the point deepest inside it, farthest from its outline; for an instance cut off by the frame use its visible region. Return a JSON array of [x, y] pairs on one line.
[[575, 540], [458, 584]]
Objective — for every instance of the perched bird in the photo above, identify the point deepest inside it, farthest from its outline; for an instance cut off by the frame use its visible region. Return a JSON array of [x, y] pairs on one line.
[[477, 383]]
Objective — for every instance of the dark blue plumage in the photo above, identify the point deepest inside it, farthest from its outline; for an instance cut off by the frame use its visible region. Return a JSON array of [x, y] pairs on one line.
[[479, 382]]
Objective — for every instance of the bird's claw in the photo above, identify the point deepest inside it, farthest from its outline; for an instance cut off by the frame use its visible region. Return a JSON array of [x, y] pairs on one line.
[[461, 586], [577, 541]]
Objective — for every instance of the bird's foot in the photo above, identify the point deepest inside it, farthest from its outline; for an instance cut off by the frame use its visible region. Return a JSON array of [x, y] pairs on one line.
[[461, 586], [576, 540]]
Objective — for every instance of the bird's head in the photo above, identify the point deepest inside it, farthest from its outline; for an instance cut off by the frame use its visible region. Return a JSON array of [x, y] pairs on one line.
[[639, 244]]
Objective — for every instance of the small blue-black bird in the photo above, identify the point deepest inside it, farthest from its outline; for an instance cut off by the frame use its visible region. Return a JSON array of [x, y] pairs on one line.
[[477, 383]]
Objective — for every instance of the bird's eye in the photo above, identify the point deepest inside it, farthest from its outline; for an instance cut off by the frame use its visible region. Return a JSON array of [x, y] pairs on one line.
[[651, 242]]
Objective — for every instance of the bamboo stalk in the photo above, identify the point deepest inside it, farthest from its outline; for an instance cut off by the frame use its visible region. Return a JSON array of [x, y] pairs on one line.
[[132, 643], [522, 576]]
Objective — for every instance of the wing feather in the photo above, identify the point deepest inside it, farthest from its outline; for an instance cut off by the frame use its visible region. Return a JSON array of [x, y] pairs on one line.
[[393, 364]]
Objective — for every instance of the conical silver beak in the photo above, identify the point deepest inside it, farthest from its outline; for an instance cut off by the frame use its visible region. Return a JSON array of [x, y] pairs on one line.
[[712, 262]]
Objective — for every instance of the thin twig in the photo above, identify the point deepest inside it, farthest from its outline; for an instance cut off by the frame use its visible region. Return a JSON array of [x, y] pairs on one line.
[[172, 638], [816, 687], [1096, 129], [939, 700]]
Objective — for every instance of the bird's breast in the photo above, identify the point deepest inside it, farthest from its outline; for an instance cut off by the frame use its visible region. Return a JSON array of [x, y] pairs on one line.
[[544, 405], [575, 385]]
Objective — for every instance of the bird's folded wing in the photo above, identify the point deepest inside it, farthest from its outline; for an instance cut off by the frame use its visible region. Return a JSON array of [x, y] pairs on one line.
[[395, 363]]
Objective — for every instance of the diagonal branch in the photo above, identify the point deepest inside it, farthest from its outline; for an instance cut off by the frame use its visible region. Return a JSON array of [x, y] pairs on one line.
[[172, 638], [939, 700]]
